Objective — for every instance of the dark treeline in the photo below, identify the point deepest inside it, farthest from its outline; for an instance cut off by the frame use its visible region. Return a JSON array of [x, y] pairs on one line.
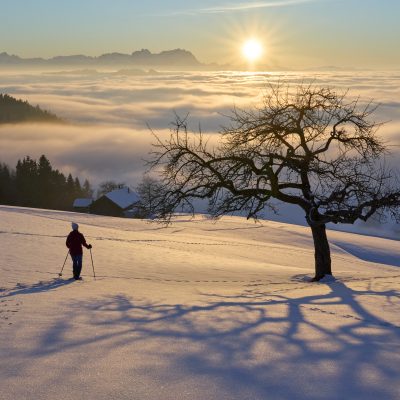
[[13, 110], [36, 184]]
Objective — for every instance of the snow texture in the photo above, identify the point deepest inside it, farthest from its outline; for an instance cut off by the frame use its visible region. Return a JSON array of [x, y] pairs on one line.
[[199, 310], [124, 197]]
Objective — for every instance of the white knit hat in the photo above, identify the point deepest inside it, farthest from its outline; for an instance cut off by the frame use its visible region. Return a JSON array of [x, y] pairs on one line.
[[75, 226]]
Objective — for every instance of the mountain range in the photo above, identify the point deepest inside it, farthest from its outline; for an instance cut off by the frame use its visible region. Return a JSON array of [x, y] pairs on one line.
[[144, 57]]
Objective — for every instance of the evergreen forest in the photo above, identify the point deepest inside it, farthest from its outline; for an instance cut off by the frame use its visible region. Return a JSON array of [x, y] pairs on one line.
[[37, 184], [14, 111]]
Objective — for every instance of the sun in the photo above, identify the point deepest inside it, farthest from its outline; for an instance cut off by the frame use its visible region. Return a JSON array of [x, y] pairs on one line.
[[252, 50]]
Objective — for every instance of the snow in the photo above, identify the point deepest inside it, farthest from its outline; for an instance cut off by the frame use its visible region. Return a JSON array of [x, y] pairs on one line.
[[198, 310], [124, 197], [82, 203]]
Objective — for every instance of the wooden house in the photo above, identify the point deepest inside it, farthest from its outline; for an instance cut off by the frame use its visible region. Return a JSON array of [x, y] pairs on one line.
[[116, 203], [82, 205]]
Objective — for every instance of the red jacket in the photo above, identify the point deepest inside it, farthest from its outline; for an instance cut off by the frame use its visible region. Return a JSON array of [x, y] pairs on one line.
[[74, 242]]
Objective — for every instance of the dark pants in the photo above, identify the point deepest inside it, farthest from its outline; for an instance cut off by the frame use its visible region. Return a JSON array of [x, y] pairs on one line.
[[77, 265]]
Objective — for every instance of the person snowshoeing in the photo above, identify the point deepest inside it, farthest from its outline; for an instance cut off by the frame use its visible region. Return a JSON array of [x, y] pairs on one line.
[[75, 241]]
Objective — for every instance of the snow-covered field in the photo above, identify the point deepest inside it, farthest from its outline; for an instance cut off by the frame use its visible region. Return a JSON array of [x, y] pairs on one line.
[[199, 310]]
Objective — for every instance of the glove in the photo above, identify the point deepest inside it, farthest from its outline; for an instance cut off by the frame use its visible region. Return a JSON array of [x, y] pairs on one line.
[[90, 246]]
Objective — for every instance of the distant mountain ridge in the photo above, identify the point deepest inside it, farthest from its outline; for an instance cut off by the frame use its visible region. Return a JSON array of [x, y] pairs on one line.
[[144, 57]]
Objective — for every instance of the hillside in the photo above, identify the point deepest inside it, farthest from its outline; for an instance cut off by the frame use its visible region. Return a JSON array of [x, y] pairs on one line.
[[198, 310], [13, 111]]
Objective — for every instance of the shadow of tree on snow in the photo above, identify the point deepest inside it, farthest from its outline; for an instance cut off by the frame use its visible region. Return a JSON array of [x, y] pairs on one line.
[[257, 344]]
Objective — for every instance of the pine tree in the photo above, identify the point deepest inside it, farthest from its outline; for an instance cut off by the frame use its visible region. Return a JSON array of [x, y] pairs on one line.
[[26, 182], [7, 185], [45, 186], [78, 188], [60, 185]]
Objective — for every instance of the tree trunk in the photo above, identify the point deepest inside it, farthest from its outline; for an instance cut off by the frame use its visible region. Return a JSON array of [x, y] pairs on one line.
[[322, 252]]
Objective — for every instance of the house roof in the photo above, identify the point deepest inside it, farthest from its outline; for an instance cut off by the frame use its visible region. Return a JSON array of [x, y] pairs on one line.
[[82, 202], [123, 197]]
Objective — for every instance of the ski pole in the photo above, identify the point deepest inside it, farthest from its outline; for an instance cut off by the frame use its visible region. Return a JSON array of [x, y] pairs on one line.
[[94, 275], [60, 274]]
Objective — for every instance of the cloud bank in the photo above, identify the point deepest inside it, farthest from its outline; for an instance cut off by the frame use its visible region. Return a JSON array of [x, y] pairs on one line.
[[108, 113]]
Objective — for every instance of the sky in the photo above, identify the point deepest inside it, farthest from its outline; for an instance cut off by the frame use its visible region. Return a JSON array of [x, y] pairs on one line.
[[294, 33]]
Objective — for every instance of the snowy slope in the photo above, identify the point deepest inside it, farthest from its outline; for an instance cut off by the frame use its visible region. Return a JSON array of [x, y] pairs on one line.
[[199, 310]]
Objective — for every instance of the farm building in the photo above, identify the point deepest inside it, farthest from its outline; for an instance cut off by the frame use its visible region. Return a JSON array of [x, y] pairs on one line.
[[82, 205], [117, 203]]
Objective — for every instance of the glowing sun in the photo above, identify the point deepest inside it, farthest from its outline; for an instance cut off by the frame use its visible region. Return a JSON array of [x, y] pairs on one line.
[[252, 50]]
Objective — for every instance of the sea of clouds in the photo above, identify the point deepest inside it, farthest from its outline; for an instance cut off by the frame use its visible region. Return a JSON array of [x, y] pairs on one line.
[[109, 114]]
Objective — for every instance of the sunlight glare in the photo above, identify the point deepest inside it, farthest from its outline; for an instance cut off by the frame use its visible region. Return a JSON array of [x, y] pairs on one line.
[[252, 50]]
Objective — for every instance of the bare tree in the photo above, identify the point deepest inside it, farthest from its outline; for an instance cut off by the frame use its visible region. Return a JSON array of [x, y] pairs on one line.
[[312, 147], [149, 191], [108, 186]]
